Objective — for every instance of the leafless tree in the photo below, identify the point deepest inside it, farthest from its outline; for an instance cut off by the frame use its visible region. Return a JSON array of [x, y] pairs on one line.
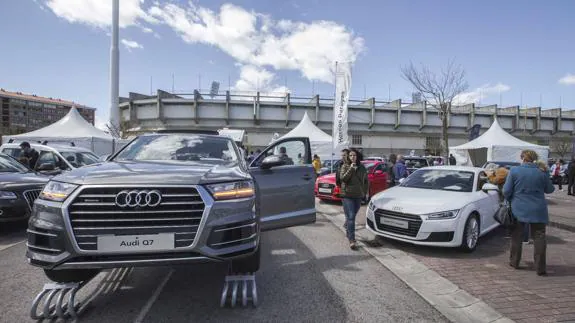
[[562, 146], [439, 89]]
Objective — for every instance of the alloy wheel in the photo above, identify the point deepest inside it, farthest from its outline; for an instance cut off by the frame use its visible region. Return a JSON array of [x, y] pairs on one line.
[[472, 232]]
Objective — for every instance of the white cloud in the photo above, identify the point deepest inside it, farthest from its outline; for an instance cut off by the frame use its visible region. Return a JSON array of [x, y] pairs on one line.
[[98, 13], [481, 93], [130, 44], [256, 40], [254, 79], [568, 79]]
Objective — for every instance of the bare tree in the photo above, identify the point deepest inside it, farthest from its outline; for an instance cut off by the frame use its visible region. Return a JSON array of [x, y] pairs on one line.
[[562, 146], [439, 89]]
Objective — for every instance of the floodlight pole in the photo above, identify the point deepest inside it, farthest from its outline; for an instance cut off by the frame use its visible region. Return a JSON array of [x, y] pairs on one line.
[[114, 69]]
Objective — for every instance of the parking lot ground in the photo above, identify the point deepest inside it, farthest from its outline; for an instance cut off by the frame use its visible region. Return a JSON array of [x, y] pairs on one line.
[[561, 213], [519, 295]]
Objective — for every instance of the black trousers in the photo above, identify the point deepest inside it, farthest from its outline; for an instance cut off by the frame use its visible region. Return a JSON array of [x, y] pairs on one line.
[[570, 189], [539, 242], [558, 180]]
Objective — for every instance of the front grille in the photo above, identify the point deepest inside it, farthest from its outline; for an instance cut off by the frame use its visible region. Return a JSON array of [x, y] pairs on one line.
[[414, 222], [31, 196], [94, 212]]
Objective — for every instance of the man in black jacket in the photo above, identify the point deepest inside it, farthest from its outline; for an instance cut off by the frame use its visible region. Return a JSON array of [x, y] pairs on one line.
[[30, 154], [571, 176]]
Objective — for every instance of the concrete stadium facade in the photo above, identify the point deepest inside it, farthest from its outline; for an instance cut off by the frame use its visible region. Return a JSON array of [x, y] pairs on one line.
[[376, 126]]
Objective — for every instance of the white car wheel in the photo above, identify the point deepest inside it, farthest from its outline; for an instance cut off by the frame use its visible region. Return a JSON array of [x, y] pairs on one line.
[[470, 234]]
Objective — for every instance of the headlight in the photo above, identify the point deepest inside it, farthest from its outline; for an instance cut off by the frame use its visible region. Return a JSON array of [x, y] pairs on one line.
[[235, 190], [57, 191], [443, 215], [4, 195]]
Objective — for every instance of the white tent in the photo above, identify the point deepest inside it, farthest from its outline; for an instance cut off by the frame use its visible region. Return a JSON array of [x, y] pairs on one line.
[[71, 128], [321, 143], [495, 144]]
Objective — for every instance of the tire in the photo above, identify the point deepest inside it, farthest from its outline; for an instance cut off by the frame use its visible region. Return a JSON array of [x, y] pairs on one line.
[[71, 275], [249, 264], [470, 237]]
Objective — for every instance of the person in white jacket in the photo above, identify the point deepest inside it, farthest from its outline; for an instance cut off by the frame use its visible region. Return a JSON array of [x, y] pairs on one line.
[[557, 173]]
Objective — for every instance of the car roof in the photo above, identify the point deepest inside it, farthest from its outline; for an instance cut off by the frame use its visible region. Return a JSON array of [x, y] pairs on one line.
[[456, 168]]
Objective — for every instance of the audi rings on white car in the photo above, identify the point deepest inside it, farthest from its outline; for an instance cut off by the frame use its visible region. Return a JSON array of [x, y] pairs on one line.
[[444, 206]]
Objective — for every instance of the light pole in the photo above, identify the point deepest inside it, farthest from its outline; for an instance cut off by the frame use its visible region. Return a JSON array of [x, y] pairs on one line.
[[114, 71]]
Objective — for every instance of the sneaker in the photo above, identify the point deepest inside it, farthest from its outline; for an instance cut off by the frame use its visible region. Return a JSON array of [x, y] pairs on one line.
[[353, 245]]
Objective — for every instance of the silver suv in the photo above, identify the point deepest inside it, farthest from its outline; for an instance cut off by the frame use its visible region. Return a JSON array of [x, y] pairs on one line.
[[167, 199]]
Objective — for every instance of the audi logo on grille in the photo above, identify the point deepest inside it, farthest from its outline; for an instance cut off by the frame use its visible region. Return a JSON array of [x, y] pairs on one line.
[[138, 198]]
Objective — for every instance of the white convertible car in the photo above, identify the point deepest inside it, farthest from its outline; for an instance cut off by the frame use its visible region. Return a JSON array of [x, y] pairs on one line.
[[444, 206]]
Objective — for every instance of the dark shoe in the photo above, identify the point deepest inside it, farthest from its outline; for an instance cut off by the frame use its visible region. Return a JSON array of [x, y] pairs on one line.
[[353, 245], [518, 267], [542, 274]]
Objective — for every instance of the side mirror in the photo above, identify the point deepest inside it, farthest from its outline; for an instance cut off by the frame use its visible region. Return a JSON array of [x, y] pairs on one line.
[[271, 161], [378, 172], [489, 187], [46, 167]]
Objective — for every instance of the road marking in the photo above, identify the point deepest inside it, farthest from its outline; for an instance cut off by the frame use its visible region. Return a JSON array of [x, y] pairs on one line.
[[283, 252], [153, 299], [6, 246]]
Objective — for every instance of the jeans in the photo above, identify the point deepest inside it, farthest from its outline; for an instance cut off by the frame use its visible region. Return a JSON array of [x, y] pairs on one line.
[[350, 208]]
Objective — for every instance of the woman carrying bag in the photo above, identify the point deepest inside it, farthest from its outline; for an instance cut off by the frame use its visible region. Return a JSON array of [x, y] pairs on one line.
[[354, 185]]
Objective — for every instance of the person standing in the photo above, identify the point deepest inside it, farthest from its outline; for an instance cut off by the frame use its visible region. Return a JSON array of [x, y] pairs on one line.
[[344, 160], [399, 169], [30, 154], [571, 176], [354, 189], [452, 160], [556, 173], [390, 174], [316, 164], [525, 189]]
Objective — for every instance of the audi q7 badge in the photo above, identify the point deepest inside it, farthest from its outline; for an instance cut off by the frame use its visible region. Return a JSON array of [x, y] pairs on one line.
[[137, 198]]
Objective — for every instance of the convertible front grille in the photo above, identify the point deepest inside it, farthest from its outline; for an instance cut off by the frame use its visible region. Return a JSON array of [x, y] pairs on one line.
[[94, 212], [413, 222], [31, 196]]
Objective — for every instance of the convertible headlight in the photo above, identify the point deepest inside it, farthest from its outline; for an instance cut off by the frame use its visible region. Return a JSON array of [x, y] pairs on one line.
[[57, 191], [5, 195], [234, 190], [443, 215]]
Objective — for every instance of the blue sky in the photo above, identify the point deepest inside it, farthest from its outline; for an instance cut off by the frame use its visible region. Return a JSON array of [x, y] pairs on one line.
[[517, 49]]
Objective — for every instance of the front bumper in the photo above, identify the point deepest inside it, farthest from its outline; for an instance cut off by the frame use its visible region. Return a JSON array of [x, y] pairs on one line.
[[419, 230], [227, 230], [14, 210]]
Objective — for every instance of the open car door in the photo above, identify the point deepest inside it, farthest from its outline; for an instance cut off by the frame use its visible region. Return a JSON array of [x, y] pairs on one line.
[[284, 179]]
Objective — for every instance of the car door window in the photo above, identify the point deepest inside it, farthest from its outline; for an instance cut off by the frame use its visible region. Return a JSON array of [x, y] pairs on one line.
[[46, 157], [289, 152], [14, 152], [481, 180]]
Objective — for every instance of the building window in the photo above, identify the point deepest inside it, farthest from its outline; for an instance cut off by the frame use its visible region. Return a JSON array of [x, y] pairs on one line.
[[433, 146], [356, 140]]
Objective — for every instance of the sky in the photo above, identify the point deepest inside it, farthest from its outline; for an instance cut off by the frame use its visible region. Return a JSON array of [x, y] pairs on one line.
[[514, 52]]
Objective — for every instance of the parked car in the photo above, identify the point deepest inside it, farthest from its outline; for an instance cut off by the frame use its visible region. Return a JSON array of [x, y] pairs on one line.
[[19, 188], [168, 199], [414, 163], [374, 158], [326, 188], [446, 206], [327, 166], [54, 157]]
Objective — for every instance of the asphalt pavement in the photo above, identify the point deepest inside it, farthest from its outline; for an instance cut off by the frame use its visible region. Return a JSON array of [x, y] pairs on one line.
[[308, 274]]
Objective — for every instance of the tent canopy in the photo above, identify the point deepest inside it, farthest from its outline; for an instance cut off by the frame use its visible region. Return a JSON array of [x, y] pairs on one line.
[[495, 144], [71, 128], [321, 142]]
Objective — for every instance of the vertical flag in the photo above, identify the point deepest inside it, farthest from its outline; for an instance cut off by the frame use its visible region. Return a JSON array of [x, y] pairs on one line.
[[340, 112]]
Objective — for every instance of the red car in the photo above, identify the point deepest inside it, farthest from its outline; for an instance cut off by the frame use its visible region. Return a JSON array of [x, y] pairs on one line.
[[325, 188]]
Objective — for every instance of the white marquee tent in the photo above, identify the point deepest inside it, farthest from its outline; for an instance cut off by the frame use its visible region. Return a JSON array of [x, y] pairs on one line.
[[320, 141], [71, 128], [495, 144]]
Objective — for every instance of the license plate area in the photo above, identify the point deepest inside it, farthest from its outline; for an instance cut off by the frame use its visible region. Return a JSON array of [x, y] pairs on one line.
[[137, 243], [324, 190], [394, 223]]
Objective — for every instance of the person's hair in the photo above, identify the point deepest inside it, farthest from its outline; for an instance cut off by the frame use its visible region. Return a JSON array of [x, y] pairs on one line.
[[529, 155], [283, 150], [25, 144], [345, 150], [392, 158], [357, 153], [315, 156], [560, 161], [491, 167], [542, 165]]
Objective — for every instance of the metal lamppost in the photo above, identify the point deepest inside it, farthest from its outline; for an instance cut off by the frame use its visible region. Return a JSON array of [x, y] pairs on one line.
[[114, 71]]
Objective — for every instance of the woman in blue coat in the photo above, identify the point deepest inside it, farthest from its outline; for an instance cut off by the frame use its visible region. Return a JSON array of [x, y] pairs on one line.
[[525, 189]]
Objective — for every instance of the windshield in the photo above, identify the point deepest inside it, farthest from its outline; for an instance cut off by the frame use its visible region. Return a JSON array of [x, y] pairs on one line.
[[439, 179], [9, 165], [415, 162], [79, 159], [184, 148]]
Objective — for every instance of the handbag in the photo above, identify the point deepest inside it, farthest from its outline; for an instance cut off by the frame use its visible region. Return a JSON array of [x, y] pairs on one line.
[[504, 215]]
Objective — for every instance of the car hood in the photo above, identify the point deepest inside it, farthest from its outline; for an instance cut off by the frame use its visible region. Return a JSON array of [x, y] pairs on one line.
[[16, 180], [165, 172], [421, 201], [329, 178]]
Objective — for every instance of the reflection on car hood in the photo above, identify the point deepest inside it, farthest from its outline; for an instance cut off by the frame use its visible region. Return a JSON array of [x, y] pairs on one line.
[[329, 178], [17, 180], [164, 172], [421, 201]]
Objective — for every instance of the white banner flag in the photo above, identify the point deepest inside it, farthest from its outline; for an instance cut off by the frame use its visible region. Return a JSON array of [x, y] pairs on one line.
[[340, 112]]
